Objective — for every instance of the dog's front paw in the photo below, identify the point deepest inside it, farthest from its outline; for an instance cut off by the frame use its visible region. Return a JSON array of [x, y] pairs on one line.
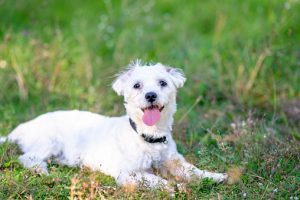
[[224, 178], [220, 177]]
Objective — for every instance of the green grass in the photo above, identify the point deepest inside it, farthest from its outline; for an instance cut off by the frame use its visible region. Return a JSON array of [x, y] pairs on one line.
[[239, 107]]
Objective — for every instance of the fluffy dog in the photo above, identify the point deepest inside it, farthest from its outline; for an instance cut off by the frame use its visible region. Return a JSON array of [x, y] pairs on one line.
[[127, 148]]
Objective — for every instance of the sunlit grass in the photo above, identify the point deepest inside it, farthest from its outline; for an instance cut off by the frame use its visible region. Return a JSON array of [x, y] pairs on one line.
[[238, 112]]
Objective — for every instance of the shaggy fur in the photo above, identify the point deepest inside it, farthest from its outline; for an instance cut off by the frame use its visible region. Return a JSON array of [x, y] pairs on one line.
[[110, 144]]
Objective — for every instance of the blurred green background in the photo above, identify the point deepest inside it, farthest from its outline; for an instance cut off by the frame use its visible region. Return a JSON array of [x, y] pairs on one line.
[[240, 105]]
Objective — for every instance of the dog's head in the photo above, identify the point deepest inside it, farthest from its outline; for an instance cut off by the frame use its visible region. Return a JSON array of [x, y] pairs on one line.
[[149, 92]]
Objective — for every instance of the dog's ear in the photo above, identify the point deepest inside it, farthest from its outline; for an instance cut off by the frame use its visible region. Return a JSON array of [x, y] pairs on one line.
[[119, 83], [177, 76]]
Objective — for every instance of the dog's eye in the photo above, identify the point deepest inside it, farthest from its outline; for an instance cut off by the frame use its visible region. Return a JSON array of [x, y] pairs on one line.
[[163, 83], [136, 86]]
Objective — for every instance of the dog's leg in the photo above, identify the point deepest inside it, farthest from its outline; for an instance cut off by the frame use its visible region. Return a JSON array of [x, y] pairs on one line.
[[36, 157], [130, 181], [35, 162], [182, 170]]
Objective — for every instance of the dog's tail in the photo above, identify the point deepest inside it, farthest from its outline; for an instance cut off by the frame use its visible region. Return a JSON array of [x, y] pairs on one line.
[[3, 139]]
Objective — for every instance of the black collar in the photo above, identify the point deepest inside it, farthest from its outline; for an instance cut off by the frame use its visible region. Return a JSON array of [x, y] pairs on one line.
[[147, 138]]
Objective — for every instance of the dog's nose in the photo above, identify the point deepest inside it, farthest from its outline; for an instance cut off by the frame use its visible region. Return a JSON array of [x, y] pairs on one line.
[[151, 96]]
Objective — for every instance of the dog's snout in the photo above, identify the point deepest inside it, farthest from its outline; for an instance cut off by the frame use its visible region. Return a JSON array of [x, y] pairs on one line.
[[151, 96]]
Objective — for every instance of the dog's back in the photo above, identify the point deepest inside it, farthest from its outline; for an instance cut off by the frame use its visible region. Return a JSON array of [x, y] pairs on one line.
[[54, 125]]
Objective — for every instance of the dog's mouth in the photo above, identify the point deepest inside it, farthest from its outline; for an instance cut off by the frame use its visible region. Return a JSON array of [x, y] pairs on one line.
[[153, 107], [152, 114]]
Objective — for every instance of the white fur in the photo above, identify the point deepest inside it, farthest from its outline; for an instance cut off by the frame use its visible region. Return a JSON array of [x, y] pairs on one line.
[[109, 144]]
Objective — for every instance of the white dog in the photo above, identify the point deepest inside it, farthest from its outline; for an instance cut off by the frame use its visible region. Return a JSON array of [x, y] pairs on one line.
[[126, 148]]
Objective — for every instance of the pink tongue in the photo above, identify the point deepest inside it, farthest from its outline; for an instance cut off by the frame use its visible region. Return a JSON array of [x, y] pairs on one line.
[[151, 116]]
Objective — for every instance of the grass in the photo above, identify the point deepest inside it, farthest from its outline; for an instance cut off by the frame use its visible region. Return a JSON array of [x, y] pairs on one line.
[[239, 109]]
